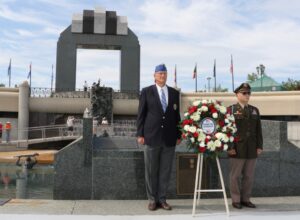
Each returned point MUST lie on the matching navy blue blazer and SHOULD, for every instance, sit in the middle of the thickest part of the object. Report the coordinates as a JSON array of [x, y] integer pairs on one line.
[[157, 127]]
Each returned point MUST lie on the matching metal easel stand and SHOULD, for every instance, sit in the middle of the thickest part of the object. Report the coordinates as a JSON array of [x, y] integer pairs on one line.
[[198, 181]]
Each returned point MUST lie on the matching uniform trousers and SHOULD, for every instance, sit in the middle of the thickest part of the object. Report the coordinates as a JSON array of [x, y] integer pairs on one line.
[[241, 179]]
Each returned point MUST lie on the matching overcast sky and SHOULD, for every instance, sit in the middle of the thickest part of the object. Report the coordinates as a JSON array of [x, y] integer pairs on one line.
[[169, 31]]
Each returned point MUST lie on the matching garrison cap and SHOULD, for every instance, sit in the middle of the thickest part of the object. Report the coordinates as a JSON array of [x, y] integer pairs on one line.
[[161, 68]]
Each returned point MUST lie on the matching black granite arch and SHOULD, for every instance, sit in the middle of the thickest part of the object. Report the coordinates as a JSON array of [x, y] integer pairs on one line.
[[113, 38]]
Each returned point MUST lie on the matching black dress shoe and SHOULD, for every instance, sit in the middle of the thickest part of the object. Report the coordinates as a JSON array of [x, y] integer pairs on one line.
[[152, 206], [237, 205], [248, 204], [165, 206]]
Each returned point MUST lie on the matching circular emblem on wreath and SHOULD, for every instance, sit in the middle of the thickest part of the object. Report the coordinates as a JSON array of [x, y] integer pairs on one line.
[[208, 126]]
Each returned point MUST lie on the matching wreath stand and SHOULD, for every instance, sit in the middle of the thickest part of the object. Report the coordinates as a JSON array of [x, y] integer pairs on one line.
[[198, 181]]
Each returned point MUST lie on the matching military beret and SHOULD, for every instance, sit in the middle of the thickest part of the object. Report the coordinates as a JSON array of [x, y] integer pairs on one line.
[[244, 87], [161, 68]]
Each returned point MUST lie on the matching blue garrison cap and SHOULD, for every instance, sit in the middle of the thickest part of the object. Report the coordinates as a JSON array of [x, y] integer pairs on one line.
[[161, 67]]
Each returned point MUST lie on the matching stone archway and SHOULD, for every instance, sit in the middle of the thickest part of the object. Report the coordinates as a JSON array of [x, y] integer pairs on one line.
[[98, 29]]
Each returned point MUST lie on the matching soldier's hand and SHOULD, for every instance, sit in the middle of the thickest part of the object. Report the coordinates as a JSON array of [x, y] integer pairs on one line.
[[259, 151], [231, 152], [141, 140], [178, 141]]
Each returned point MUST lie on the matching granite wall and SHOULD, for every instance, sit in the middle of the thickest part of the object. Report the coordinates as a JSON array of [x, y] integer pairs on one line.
[[73, 167], [117, 169]]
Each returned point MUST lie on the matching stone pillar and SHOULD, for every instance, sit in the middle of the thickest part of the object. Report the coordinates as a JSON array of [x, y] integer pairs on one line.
[[23, 116], [87, 138]]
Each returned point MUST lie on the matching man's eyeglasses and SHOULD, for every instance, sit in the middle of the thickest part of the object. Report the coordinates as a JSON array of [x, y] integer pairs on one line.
[[246, 93]]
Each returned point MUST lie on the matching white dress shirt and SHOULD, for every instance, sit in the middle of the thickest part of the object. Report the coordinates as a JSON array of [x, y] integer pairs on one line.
[[165, 88]]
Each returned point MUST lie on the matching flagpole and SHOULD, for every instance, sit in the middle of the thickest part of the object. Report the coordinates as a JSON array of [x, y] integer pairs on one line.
[[196, 78], [9, 73], [52, 79], [232, 74], [175, 77], [215, 76], [30, 74]]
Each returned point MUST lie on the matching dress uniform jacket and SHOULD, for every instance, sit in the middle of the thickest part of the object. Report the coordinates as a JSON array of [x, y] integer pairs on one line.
[[249, 132], [159, 128]]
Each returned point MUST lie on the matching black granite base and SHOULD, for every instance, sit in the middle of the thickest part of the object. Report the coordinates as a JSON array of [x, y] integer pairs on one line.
[[116, 171]]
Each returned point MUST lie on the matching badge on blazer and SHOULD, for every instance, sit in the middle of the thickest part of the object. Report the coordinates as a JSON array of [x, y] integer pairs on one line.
[[254, 112], [175, 107]]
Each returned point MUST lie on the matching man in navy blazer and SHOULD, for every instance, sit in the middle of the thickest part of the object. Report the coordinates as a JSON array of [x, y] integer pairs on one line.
[[157, 129]]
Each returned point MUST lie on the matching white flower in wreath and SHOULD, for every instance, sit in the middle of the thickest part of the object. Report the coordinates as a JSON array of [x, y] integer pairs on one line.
[[208, 137], [231, 139], [230, 117], [217, 143], [192, 139], [223, 109], [201, 137], [215, 115], [225, 147], [224, 129], [219, 135], [195, 116], [226, 121], [204, 101], [211, 146], [225, 138], [196, 103], [186, 128], [186, 114], [202, 144], [204, 108], [192, 129]]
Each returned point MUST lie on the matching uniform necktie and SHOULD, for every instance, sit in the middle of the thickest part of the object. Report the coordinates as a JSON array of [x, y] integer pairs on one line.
[[163, 100], [246, 110]]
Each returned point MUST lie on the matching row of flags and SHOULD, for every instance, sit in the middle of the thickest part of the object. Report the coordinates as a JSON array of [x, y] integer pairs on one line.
[[9, 72], [28, 76], [175, 74], [214, 74]]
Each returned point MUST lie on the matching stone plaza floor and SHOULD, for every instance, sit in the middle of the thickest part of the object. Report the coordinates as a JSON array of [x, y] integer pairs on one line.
[[267, 208]]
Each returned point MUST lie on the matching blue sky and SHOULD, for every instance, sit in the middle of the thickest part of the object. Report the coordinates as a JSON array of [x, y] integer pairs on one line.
[[170, 32]]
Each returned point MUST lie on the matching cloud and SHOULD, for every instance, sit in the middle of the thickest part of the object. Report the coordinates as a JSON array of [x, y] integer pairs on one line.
[[173, 32]]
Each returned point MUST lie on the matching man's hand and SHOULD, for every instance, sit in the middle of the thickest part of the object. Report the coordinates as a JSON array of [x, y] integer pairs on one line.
[[259, 151], [178, 141], [141, 140], [231, 152]]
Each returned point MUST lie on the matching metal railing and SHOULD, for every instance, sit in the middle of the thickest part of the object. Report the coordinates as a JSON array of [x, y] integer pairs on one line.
[[67, 93], [39, 92], [42, 134]]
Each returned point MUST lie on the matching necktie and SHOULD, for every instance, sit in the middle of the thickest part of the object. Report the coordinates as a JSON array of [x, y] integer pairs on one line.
[[163, 100], [246, 110]]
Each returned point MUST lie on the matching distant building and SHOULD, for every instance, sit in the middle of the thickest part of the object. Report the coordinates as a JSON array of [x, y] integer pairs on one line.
[[265, 83]]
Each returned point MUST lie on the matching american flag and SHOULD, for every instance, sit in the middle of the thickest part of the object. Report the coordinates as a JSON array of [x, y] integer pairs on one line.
[[231, 66], [29, 74], [195, 72], [175, 77], [9, 68]]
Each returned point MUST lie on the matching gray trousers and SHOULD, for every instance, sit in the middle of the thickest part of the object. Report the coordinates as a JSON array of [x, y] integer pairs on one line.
[[158, 166], [241, 169]]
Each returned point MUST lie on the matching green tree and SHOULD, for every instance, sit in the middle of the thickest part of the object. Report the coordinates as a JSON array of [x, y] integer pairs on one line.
[[252, 77], [220, 89], [291, 85], [2, 85]]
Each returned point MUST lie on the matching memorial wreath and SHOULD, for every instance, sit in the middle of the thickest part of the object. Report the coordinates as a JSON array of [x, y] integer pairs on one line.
[[208, 127]]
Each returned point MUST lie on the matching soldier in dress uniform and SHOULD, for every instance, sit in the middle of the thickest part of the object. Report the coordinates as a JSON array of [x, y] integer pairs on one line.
[[245, 150]]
